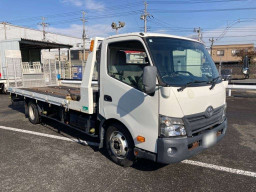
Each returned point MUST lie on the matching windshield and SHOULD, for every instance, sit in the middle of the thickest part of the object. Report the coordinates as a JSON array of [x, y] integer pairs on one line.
[[181, 61]]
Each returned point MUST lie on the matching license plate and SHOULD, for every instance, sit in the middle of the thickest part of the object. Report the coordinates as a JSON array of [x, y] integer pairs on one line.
[[209, 139]]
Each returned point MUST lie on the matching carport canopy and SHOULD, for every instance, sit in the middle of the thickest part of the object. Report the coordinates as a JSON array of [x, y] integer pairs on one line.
[[31, 49], [34, 44]]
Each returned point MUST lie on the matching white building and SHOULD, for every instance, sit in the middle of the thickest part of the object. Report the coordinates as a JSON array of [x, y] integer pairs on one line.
[[9, 31], [24, 56]]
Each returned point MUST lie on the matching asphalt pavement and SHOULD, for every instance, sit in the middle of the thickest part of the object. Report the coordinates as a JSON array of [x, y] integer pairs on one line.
[[36, 158]]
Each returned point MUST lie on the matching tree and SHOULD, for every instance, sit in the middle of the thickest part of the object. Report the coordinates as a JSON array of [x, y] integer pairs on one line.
[[251, 54]]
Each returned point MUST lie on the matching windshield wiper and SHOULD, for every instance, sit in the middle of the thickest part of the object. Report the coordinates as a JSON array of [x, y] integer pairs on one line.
[[213, 82], [190, 83]]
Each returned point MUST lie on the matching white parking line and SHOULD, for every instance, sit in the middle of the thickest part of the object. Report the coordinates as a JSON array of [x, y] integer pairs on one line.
[[190, 162], [220, 168], [50, 136]]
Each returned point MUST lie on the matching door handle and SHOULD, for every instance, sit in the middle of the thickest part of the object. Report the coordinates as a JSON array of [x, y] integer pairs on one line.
[[107, 98]]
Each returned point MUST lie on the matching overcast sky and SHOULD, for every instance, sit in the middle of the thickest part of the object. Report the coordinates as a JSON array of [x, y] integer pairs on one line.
[[178, 17]]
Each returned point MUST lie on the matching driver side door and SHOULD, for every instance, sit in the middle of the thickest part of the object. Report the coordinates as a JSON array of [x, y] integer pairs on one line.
[[122, 95]]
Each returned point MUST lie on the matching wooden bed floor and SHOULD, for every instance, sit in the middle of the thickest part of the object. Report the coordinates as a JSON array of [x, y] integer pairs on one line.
[[57, 91]]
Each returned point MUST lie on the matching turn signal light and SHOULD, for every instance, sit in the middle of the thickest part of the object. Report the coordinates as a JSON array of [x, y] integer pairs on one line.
[[92, 45], [141, 139]]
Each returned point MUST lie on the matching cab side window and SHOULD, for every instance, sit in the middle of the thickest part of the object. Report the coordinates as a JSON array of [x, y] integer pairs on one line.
[[127, 60]]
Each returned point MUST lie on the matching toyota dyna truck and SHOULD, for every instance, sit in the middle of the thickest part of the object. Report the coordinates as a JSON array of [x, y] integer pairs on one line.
[[157, 97]]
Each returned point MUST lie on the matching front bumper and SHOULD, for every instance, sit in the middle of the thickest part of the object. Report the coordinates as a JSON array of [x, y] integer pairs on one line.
[[181, 147]]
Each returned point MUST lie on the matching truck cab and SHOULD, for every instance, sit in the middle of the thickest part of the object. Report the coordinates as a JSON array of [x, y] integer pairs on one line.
[[183, 114]]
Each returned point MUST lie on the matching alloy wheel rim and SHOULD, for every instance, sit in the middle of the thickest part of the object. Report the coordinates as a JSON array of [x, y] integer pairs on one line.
[[31, 112], [118, 144]]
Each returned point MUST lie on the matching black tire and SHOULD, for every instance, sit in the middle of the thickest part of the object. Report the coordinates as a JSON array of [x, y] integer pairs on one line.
[[2, 89], [33, 113], [128, 159], [26, 109]]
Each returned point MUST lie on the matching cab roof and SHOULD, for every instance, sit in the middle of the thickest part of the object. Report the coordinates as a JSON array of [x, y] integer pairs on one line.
[[141, 34]]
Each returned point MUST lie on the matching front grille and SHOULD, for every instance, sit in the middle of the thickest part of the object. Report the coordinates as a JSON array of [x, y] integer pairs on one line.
[[198, 122]]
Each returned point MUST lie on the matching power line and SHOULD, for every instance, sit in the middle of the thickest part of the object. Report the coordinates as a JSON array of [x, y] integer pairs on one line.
[[116, 14], [180, 29], [231, 31], [189, 28], [195, 2], [66, 14], [76, 19], [104, 16], [247, 40], [201, 10], [127, 13], [209, 30], [109, 14], [122, 6], [227, 28], [236, 36], [164, 24]]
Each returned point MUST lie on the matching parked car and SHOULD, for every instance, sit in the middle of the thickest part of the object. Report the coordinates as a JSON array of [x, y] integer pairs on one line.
[[226, 74]]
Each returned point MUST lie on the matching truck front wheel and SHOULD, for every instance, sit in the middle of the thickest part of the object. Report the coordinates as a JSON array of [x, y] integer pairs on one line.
[[120, 145], [33, 113]]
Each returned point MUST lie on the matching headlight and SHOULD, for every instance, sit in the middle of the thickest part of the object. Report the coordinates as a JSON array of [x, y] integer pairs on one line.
[[245, 71], [170, 127], [224, 113]]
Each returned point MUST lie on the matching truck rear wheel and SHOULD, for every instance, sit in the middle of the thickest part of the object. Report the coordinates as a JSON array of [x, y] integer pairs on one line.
[[33, 113], [2, 88], [120, 145], [26, 109]]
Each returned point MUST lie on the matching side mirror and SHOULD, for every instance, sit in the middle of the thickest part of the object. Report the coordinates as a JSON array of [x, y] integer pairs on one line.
[[149, 79]]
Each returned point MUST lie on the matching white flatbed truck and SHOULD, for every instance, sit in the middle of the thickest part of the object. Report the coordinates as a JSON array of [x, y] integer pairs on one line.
[[157, 97]]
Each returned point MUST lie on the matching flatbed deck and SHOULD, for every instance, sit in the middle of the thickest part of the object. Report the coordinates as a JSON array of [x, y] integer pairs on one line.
[[63, 92], [57, 91], [66, 96]]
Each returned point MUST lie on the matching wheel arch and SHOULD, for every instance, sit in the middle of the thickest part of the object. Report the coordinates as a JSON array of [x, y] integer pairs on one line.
[[104, 126]]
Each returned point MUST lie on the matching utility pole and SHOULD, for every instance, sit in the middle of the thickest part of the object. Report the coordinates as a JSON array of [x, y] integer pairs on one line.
[[212, 41], [220, 65], [199, 33], [44, 25], [83, 36], [145, 16], [4, 24]]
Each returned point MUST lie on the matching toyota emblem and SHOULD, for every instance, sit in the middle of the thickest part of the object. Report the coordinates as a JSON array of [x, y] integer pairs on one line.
[[209, 111]]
